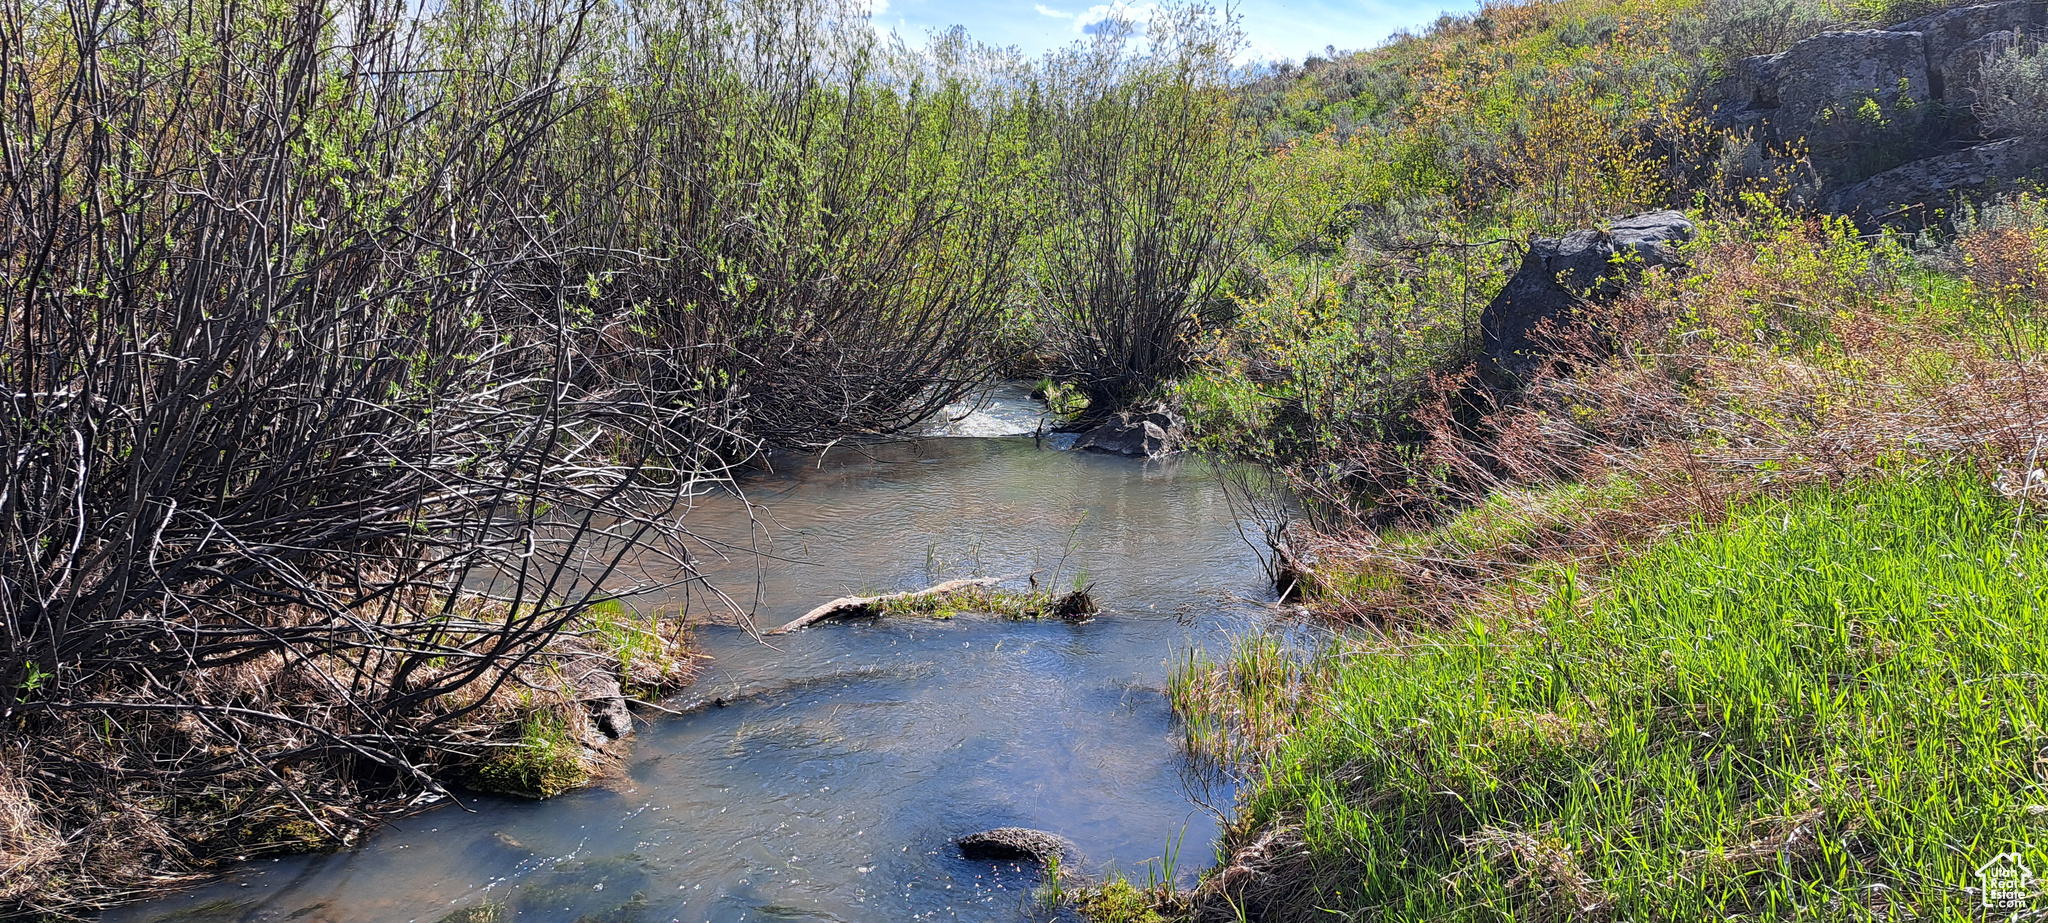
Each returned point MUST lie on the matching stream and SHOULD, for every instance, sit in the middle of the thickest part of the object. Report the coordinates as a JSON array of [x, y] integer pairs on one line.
[[845, 759]]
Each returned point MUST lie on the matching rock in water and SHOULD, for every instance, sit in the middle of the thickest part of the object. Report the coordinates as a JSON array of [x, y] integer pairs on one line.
[[1010, 844], [1560, 272], [1141, 433]]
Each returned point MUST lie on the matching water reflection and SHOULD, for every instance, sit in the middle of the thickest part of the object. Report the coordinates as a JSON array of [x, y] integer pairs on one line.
[[845, 759]]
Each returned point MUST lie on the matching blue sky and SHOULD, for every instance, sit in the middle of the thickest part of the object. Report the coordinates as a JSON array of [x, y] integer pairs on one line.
[[1292, 30]]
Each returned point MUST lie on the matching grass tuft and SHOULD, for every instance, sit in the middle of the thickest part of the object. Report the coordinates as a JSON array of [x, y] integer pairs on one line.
[[546, 761], [1120, 901], [1016, 605], [653, 653]]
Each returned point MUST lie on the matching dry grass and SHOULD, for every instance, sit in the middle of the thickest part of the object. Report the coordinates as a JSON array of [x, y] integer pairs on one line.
[[86, 821], [1588, 677], [1546, 875], [1794, 354]]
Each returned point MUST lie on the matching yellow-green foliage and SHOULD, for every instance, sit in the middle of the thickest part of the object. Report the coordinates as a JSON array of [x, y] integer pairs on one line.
[[1062, 398], [486, 912], [1119, 901], [1018, 605], [1401, 182], [1533, 104], [546, 761], [1515, 515], [653, 653]]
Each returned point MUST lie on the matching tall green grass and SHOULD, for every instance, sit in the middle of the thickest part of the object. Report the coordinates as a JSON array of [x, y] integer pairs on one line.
[[1829, 707]]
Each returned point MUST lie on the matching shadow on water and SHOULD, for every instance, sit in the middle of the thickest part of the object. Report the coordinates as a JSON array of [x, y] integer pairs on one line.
[[846, 758]]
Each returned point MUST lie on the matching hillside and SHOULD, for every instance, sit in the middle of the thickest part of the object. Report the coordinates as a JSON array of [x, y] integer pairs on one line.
[[1642, 541]]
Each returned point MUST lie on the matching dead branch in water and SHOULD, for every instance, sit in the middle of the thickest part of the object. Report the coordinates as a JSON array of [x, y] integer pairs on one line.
[[848, 606]]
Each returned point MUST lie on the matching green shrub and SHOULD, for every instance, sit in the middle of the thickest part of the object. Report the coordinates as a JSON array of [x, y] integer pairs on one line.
[[2012, 98], [1737, 29], [1119, 901], [1146, 180]]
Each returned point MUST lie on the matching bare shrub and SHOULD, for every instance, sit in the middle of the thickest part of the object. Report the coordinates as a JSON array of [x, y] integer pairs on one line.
[[791, 220], [298, 471], [1149, 198]]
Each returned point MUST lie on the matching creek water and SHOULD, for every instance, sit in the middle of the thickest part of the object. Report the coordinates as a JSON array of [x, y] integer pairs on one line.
[[822, 776]]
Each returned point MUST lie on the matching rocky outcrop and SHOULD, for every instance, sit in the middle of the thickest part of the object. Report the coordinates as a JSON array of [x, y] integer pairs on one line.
[[1859, 105], [1953, 41], [1839, 92], [1017, 844], [1559, 273], [1140, 433], [1849, 91], [1913, 193]]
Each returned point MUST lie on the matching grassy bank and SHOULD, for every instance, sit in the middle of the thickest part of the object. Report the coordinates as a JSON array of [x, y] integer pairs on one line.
[[546, 731], [1735, 611], [1828, 706]]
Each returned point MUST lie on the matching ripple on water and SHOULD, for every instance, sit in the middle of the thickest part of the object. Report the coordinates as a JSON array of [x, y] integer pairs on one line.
[[848, 757]]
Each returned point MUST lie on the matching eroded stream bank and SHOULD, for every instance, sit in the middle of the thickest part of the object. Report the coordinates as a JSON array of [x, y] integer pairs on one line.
[[847, 757]]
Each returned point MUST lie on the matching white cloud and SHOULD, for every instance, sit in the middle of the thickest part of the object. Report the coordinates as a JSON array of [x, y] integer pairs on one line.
[[1091, 20], [878, 7], [1255, 52], [1044, 10]]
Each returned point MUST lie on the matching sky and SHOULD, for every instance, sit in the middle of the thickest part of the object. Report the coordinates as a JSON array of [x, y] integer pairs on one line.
[[1276, 29]]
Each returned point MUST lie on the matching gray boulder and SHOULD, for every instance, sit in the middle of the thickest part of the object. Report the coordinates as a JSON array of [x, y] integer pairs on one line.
[[1963, 70], [1140, 433], [593, 676], [1017, 844], [1846, 92], [1871, 101], [1862, 103], [1948, 32], [1913, 194], [1559, 273], [1752, 85]]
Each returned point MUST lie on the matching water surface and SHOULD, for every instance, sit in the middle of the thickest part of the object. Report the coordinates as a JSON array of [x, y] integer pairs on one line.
[[846, 758]]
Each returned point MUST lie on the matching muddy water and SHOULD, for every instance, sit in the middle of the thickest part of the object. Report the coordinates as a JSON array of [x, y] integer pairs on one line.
[[843, 760]]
